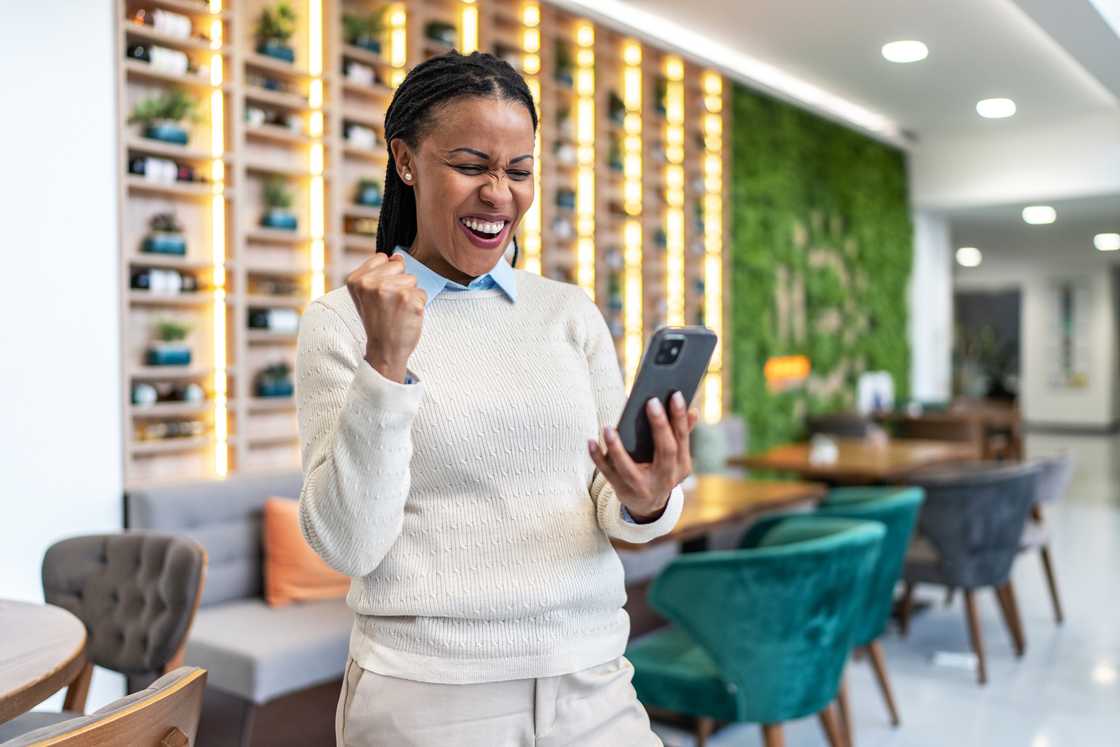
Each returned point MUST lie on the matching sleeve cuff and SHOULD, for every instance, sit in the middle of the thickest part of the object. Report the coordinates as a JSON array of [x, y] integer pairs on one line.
[[379, 393], [623, 526]]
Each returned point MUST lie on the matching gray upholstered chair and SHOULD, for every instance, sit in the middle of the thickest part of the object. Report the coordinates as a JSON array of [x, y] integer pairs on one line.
[[136, 593], [165, 714], [968, 535], [1053, 482]]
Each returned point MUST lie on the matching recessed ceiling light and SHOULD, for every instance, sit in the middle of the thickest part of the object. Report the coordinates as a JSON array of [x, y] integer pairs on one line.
[[905, 51], [1107, 242], [969, 256], [1039, 215], [995, 108]]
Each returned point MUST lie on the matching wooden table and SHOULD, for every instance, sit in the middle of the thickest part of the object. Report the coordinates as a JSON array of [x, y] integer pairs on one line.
[[42, 650], [861, 461]]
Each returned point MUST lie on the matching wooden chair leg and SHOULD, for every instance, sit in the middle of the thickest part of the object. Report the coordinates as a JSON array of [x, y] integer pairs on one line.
[[1052, 582], [831, 726], [78, 690], [973, 620], [773, 736], [905, 607], [845, 711], [879, 665], [1010, 610], [704, 728]]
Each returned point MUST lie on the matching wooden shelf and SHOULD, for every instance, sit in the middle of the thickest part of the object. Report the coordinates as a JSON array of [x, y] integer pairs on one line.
[[278, 134], [376, 91], [264, 337], [141, 69], [170, 261], [150, 373], [280, 301], [292, 101], [365, 153], [271, 404], [169, 150], [170, 445], [196, 9], [193, 43], [364, 55], [178, 189], [273, 65], [170, 409], [276, 236], [200, 298], [283, 169], [361, 211]]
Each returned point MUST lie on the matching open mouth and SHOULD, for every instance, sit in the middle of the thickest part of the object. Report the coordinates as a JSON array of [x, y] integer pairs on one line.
[[486, 233]]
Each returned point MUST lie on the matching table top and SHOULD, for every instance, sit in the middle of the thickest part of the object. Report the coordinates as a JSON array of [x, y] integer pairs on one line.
[[718, 500], [42, 650], [861, 460]]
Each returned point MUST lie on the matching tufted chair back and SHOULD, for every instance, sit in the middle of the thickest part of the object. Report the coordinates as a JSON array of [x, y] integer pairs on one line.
[[136, 592]]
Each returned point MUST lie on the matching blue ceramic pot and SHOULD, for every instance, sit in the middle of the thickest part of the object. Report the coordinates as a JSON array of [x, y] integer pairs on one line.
[[163, 354], [280, 219], [167, 132], [267, 388], [370, 196], [277, 49], [164, 243], [368, 42]]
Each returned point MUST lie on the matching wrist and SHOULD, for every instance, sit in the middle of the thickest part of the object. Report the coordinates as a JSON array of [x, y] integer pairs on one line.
[[389, 369], [651, 516]]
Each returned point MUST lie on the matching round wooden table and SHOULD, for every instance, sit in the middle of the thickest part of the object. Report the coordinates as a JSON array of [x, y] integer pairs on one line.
[[42, 650]]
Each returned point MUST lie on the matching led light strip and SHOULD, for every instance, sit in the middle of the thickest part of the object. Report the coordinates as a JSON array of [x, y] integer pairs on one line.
[[633, 305], [315, 130], [468, 27], [713, 240], [531, 67], [585, 157], [218, 243], [674, 190], [397, 45]]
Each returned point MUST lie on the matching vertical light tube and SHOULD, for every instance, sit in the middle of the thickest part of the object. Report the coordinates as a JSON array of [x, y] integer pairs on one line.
[[531, 67], [317, 207], [585, 157], [218, 243], [713, 240], [398, 51], [468, 27], [632, 300], [674, 191]]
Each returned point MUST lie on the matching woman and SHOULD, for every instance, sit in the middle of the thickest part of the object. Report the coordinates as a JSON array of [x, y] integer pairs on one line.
[[442, 399]]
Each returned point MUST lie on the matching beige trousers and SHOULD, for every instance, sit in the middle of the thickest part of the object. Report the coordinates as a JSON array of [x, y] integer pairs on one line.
[[590, 708]]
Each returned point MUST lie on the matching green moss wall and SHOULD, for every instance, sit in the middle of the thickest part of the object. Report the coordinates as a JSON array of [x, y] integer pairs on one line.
[[821, 247]]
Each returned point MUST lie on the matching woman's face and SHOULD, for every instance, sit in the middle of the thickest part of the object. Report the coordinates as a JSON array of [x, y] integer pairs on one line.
[[472, 172]]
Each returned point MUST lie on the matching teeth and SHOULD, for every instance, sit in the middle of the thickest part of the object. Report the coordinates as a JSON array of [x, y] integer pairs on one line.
[[491, 227]]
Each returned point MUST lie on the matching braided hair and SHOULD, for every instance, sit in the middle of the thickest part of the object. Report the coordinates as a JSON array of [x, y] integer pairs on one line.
[[428, 86]]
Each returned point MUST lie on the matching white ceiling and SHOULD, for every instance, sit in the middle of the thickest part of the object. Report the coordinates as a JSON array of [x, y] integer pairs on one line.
[[978, 49], [1000, 229]]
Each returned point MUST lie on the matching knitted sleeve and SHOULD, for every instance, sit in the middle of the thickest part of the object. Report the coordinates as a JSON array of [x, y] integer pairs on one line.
[[610, 398], [355, 429]]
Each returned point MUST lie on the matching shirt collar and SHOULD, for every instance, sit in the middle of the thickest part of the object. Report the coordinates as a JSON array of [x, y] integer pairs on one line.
[[433, 283]]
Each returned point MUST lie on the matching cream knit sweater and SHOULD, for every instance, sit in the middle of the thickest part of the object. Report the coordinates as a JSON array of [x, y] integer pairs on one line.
[[464, 506]]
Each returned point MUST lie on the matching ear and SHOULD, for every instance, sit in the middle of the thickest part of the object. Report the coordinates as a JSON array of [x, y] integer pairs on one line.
[[403, 158]]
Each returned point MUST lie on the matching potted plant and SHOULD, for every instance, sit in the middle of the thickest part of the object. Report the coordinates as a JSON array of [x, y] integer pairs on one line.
[[616, 108], [275, 27], [365, 30], [369, 193], [442, 32], [565, 66], [660, 95], [275, 381], [169, 348], [278, 201], [165, 237], [162, 116]]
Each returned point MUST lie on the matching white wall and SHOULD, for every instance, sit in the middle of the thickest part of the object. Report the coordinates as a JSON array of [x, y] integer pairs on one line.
[[1010, 164], [1098, 405], [931, 309], [60, 444]]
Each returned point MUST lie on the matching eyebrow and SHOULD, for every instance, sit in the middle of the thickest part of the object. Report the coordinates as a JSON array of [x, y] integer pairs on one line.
[[486, 156]]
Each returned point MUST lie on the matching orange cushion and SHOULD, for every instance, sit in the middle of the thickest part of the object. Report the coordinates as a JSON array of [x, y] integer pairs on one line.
[[292, 570]]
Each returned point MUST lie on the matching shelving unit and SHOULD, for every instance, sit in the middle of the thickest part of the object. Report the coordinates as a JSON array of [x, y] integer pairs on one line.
[[262, 118]]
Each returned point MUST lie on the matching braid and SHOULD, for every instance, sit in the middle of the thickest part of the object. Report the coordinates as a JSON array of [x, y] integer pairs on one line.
[[428, 86]]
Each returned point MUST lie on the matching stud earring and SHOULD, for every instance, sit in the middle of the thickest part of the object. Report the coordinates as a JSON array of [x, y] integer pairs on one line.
[[408, 176]]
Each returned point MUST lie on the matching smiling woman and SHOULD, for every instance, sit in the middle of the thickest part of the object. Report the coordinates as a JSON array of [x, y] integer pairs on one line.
[[447, 403]]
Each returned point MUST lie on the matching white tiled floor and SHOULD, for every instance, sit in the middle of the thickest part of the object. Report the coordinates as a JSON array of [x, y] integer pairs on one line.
[[1064, 692]]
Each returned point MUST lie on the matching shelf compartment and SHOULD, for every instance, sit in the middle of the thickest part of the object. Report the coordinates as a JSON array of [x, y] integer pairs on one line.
[[170, 445], [359, 54], [374, 91], [276, 236], [292, 101], [170, 409], [178, 189], [201, 298], [195, 9], [278, 134], [264, 337], [170, 150], [272, 65], [150, 373], [271, 404], [192, 43], [361, 211], [283, 301], [140, 69], [170, 261], [262, 167], [378, 156]]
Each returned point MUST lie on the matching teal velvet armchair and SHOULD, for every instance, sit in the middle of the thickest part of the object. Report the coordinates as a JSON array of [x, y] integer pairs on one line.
[[760, 635]]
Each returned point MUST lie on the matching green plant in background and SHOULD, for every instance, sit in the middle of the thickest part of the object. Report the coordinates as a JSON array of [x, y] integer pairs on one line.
[[277, 194], [172, 330], [982, 363], [821, 255], [360, 29], [276, 24], [172, 105]]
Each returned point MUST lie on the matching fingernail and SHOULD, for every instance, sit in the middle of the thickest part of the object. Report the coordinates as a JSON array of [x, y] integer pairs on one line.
[[608, 433], [592, 446], [678, 400], [655, 406]]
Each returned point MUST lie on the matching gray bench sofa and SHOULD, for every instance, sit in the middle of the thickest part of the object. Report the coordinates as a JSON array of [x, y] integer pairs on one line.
[[253, 653]]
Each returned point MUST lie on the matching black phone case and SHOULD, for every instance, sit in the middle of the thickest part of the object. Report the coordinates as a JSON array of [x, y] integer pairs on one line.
[[661, 380]]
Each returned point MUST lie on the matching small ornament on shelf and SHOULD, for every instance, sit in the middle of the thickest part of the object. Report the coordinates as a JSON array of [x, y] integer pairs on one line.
[[146, 394], [565, 153], [281, 321], [365, 31], [163, 282], [564, 65], [660, 94], [162, 116], [275, 380], [165, 237], [275, 27], [169, 349], [359, 73], [164, 60], [442, 32], [165, 22], [562, 229], [278, 203], [163, 430], [368, 193], [509, 53], [566, 198], [162, 170], [359, 136], [361, 226], [565, 129], [616, 108]]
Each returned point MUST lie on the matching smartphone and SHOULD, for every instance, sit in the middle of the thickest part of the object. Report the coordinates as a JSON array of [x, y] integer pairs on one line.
[[674, 360]]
